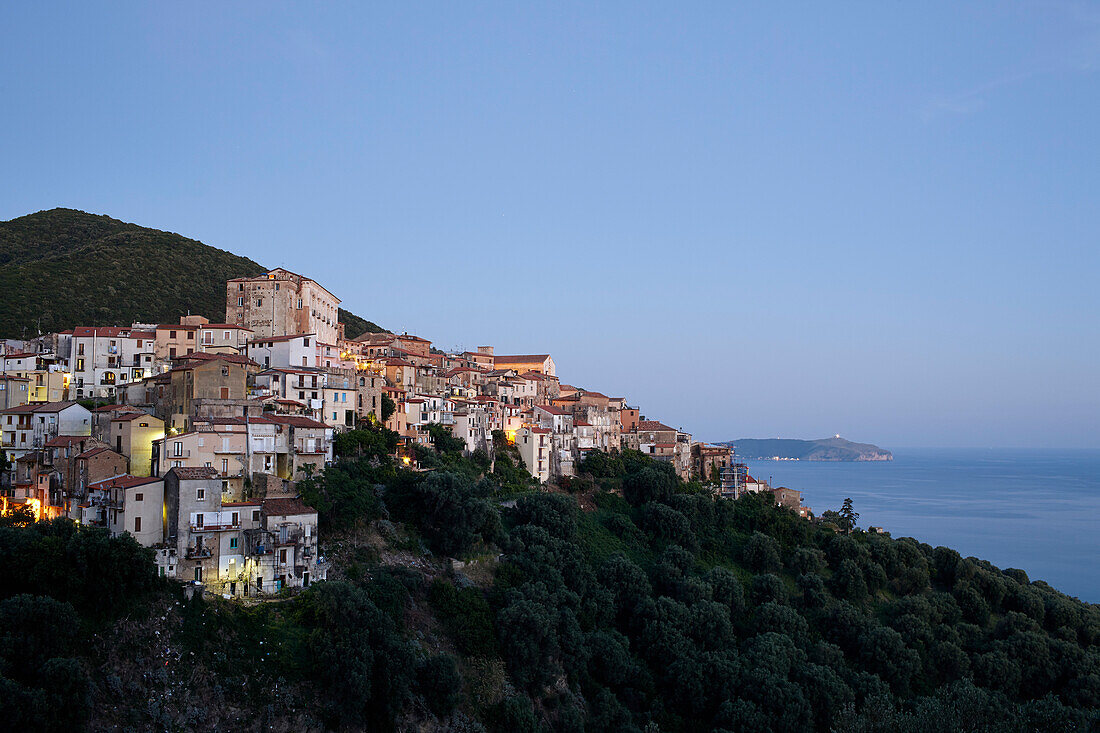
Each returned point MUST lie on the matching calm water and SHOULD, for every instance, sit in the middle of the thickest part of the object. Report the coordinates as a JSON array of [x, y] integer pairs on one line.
[[1036, 510]]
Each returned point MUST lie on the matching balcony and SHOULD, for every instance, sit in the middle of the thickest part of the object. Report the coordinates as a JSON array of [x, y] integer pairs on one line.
[[213, 526], [197, 552]]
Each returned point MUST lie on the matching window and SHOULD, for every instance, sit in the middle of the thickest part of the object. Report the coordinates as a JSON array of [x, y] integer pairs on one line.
[[177, 448], [137, 524], [198, 523], [200, 494], [225, 465], [139, 497], [240, 302], [255, 515], [198, 574], [232, 543], [171, 334], [259, 302], [299, 304], [225, 334], [282, 557], [236, 519], [80, 365], [80, 349], [225, 371]]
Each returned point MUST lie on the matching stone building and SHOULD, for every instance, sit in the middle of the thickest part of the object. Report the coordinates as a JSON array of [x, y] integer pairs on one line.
[[282, 303]]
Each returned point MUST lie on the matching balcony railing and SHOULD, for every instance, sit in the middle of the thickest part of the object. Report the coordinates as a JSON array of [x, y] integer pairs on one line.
[[196, 552], [213, 526]]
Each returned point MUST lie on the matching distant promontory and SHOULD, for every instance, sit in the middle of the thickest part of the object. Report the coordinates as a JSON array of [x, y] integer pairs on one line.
[[826, 449]]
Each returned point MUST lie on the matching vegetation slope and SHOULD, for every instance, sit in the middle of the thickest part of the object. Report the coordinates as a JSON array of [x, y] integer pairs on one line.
[[626, 601], [63, 268]]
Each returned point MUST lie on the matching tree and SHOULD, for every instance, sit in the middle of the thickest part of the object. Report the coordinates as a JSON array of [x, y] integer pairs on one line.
[[761, 554], [849, 515], [388, 407], [652, 483]]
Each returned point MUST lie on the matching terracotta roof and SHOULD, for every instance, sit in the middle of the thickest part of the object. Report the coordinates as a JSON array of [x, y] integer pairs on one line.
[[278, 339], [241, 503], [20, 355], [581, 424], [100, 331], [175, 327], [207, 356], [553, 410], [63, 441], [124, 482], [128, 416], [42, 407], [94, 452], [143, 334], [284, 507], [539, 430], [113, 408], [296, 421], [654, 425], [196, 473], [225, 325], [519, 358]]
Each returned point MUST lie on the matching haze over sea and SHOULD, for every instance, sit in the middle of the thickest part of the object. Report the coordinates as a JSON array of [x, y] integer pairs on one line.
[[1032, 509]]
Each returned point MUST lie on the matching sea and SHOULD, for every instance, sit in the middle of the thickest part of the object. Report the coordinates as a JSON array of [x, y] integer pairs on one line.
[[1029, 509]]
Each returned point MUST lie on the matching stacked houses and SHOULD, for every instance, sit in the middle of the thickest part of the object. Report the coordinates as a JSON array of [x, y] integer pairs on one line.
[[191, 436]]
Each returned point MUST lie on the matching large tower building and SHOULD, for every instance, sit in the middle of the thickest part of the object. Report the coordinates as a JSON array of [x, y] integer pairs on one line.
[[281, 303]]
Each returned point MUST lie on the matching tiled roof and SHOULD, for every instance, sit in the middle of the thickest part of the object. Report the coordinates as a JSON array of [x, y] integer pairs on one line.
[[199, 356], [520, 358], [64, 441], [195, 473], [128, 416], [99, 331], [113, 408], [124, 482], [278, 339], [553, 410], [654, 425], [296, 421], [94, 452], [284, 507], [41, 407]]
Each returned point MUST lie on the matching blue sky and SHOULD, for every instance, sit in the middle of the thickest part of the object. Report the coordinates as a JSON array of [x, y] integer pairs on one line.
[[878, 219]]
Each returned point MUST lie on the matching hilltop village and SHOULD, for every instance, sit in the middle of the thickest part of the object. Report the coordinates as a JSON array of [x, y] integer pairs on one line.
[[192, 436]]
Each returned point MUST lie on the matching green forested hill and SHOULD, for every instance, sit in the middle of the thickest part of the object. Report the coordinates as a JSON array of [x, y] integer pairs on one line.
[[625, 600], [63, 268]]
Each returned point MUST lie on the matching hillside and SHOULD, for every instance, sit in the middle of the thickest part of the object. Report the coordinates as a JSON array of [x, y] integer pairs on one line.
[[657, 608], [63, 268], [826, 449]]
